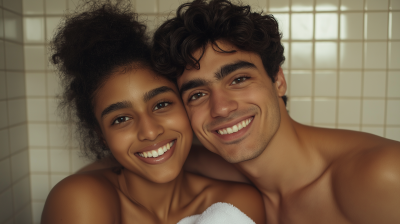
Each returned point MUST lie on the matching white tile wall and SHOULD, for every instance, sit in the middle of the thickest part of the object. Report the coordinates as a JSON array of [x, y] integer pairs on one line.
[[342, 68]]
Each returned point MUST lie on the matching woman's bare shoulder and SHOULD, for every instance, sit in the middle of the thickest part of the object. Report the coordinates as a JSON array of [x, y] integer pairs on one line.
[[82, 198], [243, 196]]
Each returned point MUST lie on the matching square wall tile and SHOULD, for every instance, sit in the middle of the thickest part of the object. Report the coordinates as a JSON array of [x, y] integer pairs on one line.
[[394, 25], [374, 84], [279, 5], [349, 127], [349, 111], [302, 26], [4, 145], [13, 5], [394, 55], [19, 165], [301, 55], [166, 6], [5, 174], [375, 55], [325, 55], [40, 186], [12, 26], [37, 109], [373, 112], [53, 85], [302, 5], [324, 111], [55, 6], [6, 210], [3, 114], [51, 26], [394, 4], [78, 160], [39, 160], [37, 209], [326, 26], [3, 86], [24, 216], [32, 7], [34, 30], [21, 193], [373, 130], [38, 135], [14, 56], [60, 160], [16, 111], [18, 138], [351, 25], [15, 84], [351, 55], [393, 84], [35, 84], [150, 6], [376, 4], [257, 5], [301, 83], [325, 83], [283, 21], [35, 57], [326, 5], [393, 112], [352, 5], [393, 133], [58, 135], [350, 83], [2, 55], [376, 25], [1, 24], [300, 110]]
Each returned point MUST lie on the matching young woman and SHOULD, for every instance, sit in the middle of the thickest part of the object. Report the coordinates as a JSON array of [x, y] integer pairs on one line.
[[125, 110]]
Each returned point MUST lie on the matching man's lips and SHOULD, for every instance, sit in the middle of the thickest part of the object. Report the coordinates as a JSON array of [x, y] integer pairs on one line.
[[235, 130]]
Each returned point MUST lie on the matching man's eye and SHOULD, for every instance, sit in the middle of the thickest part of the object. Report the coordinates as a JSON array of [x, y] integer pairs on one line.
[[239, 80], [196, 96], [161, 105], [121, 120]]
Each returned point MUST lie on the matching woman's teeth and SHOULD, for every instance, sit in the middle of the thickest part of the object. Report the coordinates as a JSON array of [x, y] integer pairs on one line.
[[235, 128], [158, 152]]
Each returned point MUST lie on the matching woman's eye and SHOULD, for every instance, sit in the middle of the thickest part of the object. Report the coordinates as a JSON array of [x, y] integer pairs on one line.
[[121, 120], [196, 96], [161, 105], [239, 80]]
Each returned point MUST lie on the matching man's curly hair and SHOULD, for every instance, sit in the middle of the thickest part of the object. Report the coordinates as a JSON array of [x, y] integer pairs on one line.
[[88, 47], [199, 23]]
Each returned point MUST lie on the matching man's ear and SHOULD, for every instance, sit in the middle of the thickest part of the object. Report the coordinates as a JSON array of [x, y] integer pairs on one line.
[[280, 83]]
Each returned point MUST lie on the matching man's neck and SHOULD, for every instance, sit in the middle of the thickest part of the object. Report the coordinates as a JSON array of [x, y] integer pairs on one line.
[[289, 163]]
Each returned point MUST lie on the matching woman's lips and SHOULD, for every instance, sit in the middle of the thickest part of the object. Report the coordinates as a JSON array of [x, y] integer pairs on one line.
[[157, 156]]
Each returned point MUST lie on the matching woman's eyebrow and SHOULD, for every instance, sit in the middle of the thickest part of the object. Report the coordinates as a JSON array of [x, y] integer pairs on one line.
[[116, 106], [154, 92]]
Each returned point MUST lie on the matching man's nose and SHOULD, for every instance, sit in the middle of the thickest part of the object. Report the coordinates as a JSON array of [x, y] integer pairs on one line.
[[222, 104], [149, 128]]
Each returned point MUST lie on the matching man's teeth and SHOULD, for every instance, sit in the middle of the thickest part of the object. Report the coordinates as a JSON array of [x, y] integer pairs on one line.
[[158, 152], [235, 128]]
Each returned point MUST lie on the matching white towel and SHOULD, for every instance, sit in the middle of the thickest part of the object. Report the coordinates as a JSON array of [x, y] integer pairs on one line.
[[219, 213]]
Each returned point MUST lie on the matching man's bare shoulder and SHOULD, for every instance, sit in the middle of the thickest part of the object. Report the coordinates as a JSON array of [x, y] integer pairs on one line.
[[244, 196], [82, 198], [366, 182]]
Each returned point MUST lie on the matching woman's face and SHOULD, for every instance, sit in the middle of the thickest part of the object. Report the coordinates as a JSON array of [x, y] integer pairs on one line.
[[144, 123]]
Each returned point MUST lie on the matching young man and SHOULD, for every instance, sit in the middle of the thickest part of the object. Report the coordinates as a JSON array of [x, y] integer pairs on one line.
[[226, 62]]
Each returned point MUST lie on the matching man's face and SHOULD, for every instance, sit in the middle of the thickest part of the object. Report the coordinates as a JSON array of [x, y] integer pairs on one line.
[[231, 102]]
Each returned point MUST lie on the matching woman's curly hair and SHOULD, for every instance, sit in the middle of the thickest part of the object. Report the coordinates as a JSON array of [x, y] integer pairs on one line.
[[88, 47], [198, 23]]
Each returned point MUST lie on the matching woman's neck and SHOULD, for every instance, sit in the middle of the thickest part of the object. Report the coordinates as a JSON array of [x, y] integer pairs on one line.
[[158, 199]]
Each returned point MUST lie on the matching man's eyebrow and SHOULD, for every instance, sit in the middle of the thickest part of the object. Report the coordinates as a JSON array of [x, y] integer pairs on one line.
[[116, 106], [154, 92], [229, 68], [192, 84]]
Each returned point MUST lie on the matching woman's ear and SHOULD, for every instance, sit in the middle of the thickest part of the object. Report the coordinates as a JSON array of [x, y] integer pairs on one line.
[[280, 83]]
